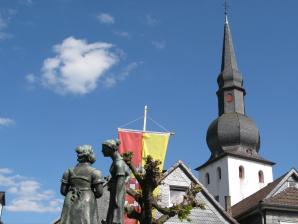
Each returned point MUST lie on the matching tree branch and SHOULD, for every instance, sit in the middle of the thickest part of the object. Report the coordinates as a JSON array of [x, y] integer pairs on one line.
[[136, 195], [132, 213], [163, 210], [127, 156]]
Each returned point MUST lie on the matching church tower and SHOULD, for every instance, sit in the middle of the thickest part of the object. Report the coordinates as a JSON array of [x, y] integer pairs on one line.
[[235, 169]]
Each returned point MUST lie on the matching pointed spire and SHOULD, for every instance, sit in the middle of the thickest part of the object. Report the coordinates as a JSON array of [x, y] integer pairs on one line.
[[228, 54], [230, 82], [229, 75]]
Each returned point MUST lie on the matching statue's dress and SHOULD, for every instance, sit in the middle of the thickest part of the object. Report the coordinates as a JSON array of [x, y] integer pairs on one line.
[[80, 205], [118, 170]]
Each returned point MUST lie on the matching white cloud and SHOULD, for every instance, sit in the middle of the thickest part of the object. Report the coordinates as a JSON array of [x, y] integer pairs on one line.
[[159, 44], [5, 16], [124, 73], [26, 2], [5, 171], [150, 20], [3, 23], [31, 78], [123, 34], [6, 121], [27, 194], [105, 18], [77, 66]]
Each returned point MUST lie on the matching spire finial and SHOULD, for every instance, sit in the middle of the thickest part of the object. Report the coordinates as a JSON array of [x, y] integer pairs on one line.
[[226, 7]]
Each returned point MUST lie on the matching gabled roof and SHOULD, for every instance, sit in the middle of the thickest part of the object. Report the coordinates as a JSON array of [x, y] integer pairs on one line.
[[269, 195], [288, 197], [204, 191]]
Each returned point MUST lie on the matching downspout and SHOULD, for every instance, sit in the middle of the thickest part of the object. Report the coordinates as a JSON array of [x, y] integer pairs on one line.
[[263, 217]]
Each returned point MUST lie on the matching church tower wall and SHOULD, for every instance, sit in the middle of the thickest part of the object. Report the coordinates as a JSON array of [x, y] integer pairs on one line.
[[250, 182]]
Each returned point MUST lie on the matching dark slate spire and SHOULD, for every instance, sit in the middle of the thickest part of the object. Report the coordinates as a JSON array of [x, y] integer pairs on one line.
[[229, 69], [229, 77], [232, 131]]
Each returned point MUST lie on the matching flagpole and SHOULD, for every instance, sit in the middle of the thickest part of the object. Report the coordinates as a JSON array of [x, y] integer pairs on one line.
[[1, 212], [145, 118]]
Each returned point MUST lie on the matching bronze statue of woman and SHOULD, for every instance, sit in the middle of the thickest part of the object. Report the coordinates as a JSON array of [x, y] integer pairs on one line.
[[81, 186], [116, 185]]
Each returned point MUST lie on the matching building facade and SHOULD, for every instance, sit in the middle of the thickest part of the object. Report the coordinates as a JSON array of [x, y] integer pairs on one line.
[[277, 203]]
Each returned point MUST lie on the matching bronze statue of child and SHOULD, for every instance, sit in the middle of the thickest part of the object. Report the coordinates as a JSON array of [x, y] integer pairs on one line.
[[81, 186], [119, 172]]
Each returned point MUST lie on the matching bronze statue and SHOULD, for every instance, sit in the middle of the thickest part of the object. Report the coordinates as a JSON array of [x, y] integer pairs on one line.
[[119, 172], [81, 186]]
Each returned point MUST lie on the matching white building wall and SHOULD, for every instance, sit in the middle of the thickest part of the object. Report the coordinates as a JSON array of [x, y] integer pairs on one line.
[[217, 187], [242, 188], [230, 184]]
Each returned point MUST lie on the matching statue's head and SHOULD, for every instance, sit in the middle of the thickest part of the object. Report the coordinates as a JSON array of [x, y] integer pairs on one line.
[[85, 154], [110, 146]]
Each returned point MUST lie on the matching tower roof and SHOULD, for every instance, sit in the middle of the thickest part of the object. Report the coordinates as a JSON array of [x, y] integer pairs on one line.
[[233, 131], [229, 75]]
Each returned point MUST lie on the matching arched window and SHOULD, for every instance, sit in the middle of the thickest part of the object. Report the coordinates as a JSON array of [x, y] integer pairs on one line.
[[261, 176], [219, 173], [241, 172], [207, 176]]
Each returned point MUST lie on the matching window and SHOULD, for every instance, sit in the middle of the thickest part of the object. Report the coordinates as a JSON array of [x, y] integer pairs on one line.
[[241, 172], [207, 177], [176, 194], [261, 176], [219, 173]]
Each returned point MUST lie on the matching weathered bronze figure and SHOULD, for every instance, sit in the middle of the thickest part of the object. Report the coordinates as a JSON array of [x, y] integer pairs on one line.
[[116, 185], [81, 186]]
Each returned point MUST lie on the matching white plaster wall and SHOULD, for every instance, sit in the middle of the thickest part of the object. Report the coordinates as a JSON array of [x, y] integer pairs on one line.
[[242, 188], [230, 183], [217, 186]]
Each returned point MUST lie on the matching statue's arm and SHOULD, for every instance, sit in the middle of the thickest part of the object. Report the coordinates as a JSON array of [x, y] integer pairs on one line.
[[64, 189], [65, 183], [97, 183], [98, 190], [119, 190]]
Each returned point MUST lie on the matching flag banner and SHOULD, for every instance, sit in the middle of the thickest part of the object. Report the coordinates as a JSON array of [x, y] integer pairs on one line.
[[131, 142], [155, 145], [141, 144]]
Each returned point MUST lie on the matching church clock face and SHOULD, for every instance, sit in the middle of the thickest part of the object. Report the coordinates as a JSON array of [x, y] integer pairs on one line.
[[229, 98]]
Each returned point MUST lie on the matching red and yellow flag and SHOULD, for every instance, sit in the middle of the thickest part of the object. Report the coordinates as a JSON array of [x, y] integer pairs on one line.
[[142, 144]]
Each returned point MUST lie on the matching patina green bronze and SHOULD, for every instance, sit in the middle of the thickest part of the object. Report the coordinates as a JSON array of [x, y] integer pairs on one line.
[[119, 172], [81, 186]]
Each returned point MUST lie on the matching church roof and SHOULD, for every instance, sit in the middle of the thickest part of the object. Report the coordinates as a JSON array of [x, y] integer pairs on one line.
[[281, 192]]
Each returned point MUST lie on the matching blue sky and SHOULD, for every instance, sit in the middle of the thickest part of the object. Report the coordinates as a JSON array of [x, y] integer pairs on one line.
[[119, 56]]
